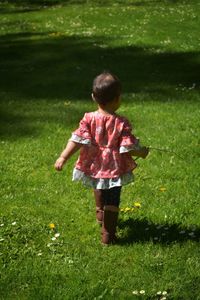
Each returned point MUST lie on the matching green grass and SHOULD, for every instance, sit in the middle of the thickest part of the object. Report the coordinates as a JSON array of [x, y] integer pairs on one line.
[[50, 51]]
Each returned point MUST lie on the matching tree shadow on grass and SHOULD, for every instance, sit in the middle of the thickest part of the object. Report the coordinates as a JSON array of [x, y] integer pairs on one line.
[[27, 123], [50, 3], [14, 125], [9, 10], [33, 3], [57, 67], [25, 6], [53, 65], [134, 231]]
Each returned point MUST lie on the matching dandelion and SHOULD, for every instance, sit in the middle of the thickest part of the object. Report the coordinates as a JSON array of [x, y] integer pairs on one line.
[[127, 209], [131, 209], [52, 226], [163, 189], [137, 204], [54, 33]]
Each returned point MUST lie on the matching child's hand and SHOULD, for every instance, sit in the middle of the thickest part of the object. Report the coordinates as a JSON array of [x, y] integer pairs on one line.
[[59, 163], [144, 152]]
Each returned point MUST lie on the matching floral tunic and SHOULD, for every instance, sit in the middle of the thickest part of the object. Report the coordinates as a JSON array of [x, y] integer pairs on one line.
[[104, 160]]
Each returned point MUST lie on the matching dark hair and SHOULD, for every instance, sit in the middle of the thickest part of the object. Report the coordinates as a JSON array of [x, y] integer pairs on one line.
[[106, 87]]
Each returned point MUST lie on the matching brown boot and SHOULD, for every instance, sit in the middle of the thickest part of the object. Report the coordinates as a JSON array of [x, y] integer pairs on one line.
[[99, 206], [109, 224]]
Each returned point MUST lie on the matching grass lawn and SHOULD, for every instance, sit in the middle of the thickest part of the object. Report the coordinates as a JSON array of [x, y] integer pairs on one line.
[[50, 52]]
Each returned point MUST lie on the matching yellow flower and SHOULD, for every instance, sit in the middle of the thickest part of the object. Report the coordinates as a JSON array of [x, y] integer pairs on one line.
[[137, 204], [163, 189], [127, 209], [52, 225]]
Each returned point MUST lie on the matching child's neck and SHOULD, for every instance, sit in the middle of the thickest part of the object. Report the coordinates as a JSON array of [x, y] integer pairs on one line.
[[106, 111]]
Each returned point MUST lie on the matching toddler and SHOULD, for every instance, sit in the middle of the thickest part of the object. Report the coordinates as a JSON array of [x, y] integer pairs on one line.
[[106, 146]]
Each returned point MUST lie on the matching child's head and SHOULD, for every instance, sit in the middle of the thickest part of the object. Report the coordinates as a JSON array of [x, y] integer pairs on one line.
[[106, 88]]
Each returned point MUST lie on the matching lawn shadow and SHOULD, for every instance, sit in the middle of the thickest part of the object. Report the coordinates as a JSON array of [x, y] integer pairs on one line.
[[49, 3], [25, 6], [57, 67], [21, 3], [14, 125], [133, 231], [27, 122]]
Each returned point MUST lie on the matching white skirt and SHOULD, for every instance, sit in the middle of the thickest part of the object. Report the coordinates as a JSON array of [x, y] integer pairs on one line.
[[102, 183]]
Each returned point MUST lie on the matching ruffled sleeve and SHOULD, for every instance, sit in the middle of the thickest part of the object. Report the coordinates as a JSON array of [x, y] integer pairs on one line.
[[82, 134], [128, 141]]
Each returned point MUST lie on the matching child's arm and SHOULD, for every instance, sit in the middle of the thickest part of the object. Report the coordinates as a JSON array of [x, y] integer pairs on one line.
[[141, 152], [70, 149]]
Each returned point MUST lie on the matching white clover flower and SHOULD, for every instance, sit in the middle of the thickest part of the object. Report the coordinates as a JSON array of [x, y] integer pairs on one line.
[[1, 225], [1, 240], [53, 238], [182, 232], [159, 293], [142, 292], [164, 293], [14, 223], [191, 233], [135, 292], [57, 235], [159, 226], [39, 254], [70, 261]]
